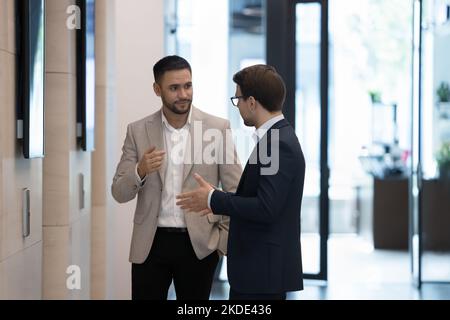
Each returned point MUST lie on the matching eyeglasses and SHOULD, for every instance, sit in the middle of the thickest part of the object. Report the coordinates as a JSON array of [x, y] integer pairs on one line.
[[235, 100]]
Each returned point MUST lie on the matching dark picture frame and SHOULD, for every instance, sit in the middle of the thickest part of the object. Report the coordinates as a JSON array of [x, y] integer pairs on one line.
[[86, 76], [30, 42]]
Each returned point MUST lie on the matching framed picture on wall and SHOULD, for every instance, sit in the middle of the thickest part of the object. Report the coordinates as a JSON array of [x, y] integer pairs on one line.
[[30, 37], [86, 76]]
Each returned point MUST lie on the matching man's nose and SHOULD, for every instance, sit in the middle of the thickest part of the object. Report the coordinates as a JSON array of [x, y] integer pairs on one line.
[[183, 93]]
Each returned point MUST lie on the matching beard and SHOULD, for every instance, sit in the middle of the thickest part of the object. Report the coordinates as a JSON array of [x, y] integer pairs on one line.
[[179, 107], [248, 123]]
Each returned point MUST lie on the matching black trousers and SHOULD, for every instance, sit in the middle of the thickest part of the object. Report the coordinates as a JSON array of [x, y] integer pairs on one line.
[[249, 296], [173, 258]]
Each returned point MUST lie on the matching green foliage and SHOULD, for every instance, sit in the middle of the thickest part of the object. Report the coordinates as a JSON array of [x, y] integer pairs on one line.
[[443, 92], [443, 155], [375, 96]]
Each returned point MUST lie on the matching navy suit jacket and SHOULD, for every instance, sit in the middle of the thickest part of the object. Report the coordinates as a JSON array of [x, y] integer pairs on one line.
[[264, 252]]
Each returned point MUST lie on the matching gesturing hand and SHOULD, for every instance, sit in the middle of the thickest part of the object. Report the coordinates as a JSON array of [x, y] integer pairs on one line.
[[151, 161], [197, 200]]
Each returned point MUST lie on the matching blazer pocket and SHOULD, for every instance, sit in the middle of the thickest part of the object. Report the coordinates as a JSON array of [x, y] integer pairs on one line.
[[140, 214]]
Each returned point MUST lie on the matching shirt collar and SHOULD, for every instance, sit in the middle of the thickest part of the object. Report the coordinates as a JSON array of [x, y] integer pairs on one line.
[[166, 123], [261, 131]]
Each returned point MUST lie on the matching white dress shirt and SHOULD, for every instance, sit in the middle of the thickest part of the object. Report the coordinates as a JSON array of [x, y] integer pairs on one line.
[[261, 131], [257, 135], [172, 215]]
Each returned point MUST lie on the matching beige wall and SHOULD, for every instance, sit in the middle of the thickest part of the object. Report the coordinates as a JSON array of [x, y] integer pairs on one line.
[[97, 239], [101, 164], [66, 227], [20, 259]]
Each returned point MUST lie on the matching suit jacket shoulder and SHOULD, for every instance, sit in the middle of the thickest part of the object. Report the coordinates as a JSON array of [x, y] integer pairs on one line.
[[197, 115], [287, 137], [141, 122], [209, 119]]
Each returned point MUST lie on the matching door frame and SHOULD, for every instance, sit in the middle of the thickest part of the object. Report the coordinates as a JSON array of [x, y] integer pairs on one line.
[[281, 53], [415, 183]]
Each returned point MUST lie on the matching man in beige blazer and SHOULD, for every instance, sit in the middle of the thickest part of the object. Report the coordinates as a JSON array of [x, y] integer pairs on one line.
[[161, 154]]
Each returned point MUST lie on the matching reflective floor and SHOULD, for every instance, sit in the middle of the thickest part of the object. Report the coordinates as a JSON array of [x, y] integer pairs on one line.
[[356, 271]]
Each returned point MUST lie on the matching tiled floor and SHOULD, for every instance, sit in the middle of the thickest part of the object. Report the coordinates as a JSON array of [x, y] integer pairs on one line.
[[356, 271]]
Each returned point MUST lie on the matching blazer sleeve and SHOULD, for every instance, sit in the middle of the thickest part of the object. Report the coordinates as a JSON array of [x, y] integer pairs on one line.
[[272, 192], [125, 184]]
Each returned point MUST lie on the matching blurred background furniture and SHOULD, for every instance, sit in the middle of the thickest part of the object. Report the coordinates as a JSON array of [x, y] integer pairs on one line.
[[390, 213], [436, 215]]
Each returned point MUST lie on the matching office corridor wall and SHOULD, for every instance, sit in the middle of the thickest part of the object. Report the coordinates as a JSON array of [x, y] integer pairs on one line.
[[20, 258], [102, 166], [66, 223], [129, 40], [138, 44], [95, 239]]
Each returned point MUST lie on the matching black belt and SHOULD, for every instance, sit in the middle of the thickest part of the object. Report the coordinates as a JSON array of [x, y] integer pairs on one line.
[[172, 229]]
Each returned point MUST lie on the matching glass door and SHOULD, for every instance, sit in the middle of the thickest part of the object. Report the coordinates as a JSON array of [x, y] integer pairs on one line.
[[416, 168], [430, 177], [297, 46], [311, 126]]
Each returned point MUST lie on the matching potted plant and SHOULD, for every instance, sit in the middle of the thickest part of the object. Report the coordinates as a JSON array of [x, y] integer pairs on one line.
[[443, 160], [443, 94], [375, 96]]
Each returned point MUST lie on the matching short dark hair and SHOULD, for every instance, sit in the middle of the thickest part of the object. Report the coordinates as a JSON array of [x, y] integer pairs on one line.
[[263, 83], [169, 63]]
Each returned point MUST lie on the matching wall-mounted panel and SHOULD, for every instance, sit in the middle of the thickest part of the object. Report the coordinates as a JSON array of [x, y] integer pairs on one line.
[[31, 76], [86, 76]]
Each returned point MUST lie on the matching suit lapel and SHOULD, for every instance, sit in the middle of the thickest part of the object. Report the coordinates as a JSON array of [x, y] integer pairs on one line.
[[194, 151], [251, 161], [254, 157], [156, 138], [242, 180]]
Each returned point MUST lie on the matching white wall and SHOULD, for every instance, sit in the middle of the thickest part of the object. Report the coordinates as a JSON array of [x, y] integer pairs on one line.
[[209, 44], [139, 43]]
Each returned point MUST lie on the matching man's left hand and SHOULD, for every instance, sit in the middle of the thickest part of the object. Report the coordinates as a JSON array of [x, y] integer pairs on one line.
[[197, 200]]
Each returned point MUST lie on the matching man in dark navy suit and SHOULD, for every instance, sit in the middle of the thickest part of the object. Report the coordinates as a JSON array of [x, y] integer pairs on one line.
[[264, 252]]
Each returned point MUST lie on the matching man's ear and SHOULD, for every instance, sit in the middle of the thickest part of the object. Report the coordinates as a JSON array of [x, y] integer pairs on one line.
[[253, 103], [157, 89]]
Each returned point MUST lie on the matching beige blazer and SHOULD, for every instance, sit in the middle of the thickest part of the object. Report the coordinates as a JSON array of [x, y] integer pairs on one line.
[[207, 233]]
